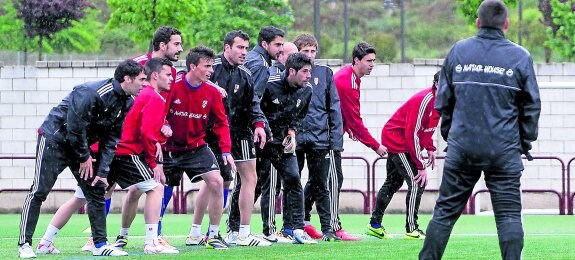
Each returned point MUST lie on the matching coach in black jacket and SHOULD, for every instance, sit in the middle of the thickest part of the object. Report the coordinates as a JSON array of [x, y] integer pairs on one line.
[[489, 103], [92, 112], [285, 103], [320, 135]]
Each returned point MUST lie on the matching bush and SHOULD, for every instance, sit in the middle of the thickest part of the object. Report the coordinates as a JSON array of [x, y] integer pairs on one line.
[[385, 45]]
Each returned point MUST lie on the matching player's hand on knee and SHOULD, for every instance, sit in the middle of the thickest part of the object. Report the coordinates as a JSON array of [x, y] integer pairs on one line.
[[97, 179], [289, 142], [159, 175], [421, 178]]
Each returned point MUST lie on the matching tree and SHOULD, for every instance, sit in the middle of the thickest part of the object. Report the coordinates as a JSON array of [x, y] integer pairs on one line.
[[562, 39], [249, 16], [469, 8], [45, 18], [143, 17], [82, 36]]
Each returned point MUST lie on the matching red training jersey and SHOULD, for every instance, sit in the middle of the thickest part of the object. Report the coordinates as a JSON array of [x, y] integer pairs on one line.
[[188, 110], [347, 83], [410, 129], [142, 126], [144, 58]]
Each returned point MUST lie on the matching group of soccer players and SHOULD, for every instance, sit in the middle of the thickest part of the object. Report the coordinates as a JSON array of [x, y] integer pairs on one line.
[[258, 115]]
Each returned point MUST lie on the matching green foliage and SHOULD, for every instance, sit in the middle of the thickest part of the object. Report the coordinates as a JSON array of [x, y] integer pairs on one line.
[[12, 30], [144, 17], [117, 43], [386, 46], [468, 8], [563, 40], [82, 37], [250, 16]]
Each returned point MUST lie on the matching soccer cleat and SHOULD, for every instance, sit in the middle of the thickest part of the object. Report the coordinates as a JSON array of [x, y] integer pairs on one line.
[[108, 250], [216, 243], [25, 251], [414, 235], [273, 238], [346, 236], [152, 248], [312, 232], [376, 232], [285, 236], [195, 241], [44, 249], [251, 240], [165, 243], [121, 242], [89, 245], [232, 238], [301, 237], [330, 237]]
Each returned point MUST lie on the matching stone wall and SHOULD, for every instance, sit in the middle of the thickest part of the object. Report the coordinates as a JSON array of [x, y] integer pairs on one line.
[[27, 93]]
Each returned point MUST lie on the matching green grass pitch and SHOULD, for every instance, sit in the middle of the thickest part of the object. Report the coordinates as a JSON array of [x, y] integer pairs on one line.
[[474, 237]]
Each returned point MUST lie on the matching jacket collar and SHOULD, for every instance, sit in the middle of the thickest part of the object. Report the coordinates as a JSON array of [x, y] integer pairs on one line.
[[226, 63], [261, 51], [119, 91], [490, 33], [279, 65]]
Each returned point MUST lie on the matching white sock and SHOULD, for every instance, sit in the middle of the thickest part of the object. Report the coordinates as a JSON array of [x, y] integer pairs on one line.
[[152, 232], [307, 223], [213, 231], [50, 234], [124, 232], [196, 230], [244, 231]]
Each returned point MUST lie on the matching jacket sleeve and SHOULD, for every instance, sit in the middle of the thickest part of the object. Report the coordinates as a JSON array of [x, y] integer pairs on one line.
[[529, 107], [416, 118], [82, 104], [109, 141], [221, 126], [257, 117], [349, 101], [152, 121], [335, 119], [445, 98], [260, 76]]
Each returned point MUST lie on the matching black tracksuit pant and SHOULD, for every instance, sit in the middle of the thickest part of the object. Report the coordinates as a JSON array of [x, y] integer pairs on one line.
[[51, 159], [335, 181], [287, 168], [455, 190], [400, 167], [316, 188]]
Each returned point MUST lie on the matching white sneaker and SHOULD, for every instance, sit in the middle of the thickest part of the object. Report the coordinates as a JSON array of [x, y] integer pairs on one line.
[[301, 237], [271, 238], [25, 251], [108, 250], [151, 248], [89, 246], [44, 249], [165, 243], [232, 238], [195, 241], [252, 241]]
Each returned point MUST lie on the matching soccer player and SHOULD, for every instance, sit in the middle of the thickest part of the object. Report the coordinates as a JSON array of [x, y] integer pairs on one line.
[[320, 135], [348, 81], [489, 117], [409, 130], [191, 103], [285, 103], [167, 44], [92, 112], [279, 64], [258, 61]]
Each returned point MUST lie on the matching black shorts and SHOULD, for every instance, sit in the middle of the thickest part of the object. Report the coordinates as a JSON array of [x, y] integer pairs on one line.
[[127, 170], [242, 150], [195, 163]]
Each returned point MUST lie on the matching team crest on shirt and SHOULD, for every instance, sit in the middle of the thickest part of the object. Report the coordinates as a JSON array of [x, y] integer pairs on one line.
[[236, 87], [204, 103], [298, 102], [315, 81], [177, 101], [276, 101]]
